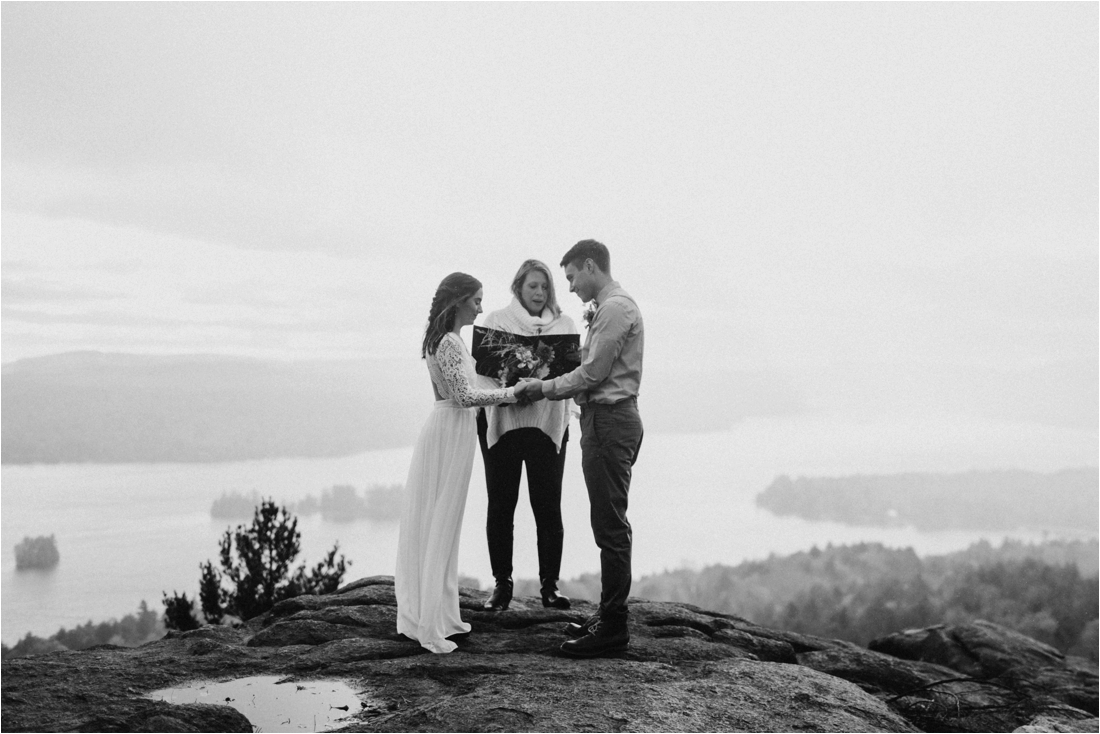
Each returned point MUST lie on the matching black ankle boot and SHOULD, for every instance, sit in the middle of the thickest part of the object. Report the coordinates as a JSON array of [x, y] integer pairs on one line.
[[551, 597], [501, 597]]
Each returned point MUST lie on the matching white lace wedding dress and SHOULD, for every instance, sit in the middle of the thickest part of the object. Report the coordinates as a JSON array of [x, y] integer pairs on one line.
[[426, 582]]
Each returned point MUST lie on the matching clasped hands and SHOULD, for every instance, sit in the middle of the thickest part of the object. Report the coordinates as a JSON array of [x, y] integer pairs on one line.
[[528, 390]]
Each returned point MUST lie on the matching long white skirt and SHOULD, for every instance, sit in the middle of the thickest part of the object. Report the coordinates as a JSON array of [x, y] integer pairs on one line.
[[426, 582]]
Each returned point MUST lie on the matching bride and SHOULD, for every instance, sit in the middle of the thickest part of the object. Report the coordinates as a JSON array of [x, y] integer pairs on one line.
[[426, 581]]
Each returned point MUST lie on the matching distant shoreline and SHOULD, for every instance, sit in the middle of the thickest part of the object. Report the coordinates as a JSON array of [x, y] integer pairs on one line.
[[993, 500], [779, 585]]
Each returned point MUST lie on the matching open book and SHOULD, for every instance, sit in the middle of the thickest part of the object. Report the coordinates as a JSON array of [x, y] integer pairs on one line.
[[507, 357]]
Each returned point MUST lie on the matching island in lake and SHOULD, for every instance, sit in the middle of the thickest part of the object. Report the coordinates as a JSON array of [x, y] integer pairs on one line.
[[36, 553], [340, 503], [975, 500]]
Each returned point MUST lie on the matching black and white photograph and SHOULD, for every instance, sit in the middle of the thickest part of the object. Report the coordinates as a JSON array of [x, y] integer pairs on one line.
[[550, 366]]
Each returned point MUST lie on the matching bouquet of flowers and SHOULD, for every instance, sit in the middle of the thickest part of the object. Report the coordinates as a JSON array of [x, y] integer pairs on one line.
[[509, 357]]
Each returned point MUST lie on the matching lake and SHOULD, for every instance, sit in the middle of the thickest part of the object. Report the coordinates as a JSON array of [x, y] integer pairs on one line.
[[131, 532]]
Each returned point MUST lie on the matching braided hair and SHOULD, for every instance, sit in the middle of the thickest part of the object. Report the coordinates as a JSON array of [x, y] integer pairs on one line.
[[454, 289]]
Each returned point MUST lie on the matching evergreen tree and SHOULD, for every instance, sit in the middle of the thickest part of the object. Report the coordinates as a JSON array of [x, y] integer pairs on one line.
[[256, 567]]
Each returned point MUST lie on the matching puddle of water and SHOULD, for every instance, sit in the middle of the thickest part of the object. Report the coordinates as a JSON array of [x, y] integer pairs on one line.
[[273, 703]]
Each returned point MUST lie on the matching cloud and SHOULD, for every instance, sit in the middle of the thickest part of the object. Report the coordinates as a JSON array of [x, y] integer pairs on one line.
[[19, 291], [355, 128], [175, 290], [87, 318], [780, 185], [280, 322]]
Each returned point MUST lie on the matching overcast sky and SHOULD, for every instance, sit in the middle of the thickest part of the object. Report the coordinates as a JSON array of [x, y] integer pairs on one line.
[[801, 185]]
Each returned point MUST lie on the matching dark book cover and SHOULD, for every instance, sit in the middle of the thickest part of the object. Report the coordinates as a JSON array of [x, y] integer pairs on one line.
[[507, 356]]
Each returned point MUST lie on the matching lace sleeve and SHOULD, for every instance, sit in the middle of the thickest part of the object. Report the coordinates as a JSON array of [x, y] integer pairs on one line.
[[452, 364]]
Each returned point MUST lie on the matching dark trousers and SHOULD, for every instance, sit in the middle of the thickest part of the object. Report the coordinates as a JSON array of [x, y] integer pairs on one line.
[[611, 436], [545, 466]]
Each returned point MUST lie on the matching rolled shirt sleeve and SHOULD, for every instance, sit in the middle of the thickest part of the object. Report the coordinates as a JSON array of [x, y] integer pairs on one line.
[[611, 364]]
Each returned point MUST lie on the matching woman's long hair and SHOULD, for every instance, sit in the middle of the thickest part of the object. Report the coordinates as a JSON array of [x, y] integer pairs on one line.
[[529, 266], [454, 289]]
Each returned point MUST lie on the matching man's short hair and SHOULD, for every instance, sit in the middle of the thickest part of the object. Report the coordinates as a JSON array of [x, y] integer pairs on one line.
[[589, 249]]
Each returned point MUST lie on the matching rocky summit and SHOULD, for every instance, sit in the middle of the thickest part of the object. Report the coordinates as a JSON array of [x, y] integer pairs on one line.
[[685, 670]]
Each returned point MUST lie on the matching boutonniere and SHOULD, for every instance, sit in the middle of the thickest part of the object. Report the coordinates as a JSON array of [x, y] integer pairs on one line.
[[589, 313]]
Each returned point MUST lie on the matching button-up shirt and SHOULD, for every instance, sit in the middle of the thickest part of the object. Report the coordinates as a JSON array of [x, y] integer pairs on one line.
[[611, 358]]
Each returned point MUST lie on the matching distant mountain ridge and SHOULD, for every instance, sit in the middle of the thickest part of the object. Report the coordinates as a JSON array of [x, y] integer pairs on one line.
[[110, 407], [103, 407], [100, 407]]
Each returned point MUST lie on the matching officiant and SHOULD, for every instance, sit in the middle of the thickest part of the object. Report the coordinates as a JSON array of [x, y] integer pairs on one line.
[[534, 435]]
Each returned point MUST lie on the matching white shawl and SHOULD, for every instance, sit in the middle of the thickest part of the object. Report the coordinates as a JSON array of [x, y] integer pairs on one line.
[[549, 416]]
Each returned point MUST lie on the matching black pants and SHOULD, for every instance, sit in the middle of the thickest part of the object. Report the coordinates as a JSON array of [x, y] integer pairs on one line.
[[545, 466], [611, 437]]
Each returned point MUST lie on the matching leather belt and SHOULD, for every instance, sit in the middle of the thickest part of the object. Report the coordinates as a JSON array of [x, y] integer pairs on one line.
[[611, 406]]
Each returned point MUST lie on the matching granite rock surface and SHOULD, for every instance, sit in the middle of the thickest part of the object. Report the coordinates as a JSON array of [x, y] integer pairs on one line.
[[686, 670]]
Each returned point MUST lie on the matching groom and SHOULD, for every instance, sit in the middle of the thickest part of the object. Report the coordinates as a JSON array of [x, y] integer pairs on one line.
[[605, 385]]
